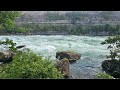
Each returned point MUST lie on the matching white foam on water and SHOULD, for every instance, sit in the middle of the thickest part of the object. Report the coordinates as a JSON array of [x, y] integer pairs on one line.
[[92, 52]]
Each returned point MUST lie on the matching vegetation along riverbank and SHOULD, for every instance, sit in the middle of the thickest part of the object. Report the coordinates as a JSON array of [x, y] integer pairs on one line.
[[21, 62]]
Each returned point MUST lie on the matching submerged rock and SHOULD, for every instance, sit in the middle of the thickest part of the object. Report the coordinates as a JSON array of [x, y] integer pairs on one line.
[[112, 67], [21, 46], [71, 56], [63, 67], [6, 56]]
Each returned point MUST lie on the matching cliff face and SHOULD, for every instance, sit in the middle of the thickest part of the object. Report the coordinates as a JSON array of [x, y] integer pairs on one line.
[[91, 17]]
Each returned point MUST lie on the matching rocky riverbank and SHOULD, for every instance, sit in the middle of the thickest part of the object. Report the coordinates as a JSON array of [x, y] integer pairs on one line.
[[112, 67]]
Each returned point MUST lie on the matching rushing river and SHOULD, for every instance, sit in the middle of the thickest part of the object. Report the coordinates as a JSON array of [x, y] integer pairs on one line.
[[92, 52]]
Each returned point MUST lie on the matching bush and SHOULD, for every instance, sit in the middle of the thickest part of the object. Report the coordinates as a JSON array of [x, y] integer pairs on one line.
[[26, 64], [114, 47], [9, 44], [103, 76]]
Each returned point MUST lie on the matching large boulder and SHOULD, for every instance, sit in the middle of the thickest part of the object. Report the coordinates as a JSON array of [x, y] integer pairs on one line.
[[112, 67], [6, 56], [63, 67], [71, 56]]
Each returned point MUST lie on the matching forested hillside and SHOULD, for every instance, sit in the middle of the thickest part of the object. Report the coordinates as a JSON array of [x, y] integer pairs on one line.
[[102, 23]]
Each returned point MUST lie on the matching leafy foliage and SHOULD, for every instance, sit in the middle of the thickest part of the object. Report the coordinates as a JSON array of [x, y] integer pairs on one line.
[[103, 76], [9, 44], [21, 30], [114, 47], [7, 19], [26, 64], [75, 29]]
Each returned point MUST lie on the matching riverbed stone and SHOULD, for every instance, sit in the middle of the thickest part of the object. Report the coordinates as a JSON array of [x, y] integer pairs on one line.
[[112, 67], [6, 56], [63, 67], [70, 55]]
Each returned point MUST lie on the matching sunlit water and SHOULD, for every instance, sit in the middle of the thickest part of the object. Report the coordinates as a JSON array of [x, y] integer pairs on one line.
[[92, 52]]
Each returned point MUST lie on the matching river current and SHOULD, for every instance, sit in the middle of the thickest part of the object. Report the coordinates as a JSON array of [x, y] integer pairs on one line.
[[92, 52]]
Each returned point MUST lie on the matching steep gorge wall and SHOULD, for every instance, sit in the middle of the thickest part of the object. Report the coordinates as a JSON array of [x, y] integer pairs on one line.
[[93, 17]]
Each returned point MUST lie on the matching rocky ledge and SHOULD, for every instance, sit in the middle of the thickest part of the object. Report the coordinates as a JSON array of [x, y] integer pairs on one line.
[[63, 67], [112, 67], [6, 56], [70, 55]]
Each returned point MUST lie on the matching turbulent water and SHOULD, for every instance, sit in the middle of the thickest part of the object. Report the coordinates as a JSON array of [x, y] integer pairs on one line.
[[92, 52]]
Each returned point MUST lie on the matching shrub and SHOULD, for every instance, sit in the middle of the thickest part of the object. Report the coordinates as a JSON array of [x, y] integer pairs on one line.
[[26, 64], [9, 44], [103, 76]]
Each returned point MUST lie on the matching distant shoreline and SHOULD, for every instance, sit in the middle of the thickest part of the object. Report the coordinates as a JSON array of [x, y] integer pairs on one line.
[[49, 35]]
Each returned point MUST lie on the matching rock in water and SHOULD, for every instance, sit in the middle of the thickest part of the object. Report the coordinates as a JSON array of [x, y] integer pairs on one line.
[[21, 46], [6, 56], [63, 67], [71, 56], [112, 67]]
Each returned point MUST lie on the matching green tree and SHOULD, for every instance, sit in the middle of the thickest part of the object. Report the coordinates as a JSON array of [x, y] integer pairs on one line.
[[21, 29], [114, 47], [7, 19]]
